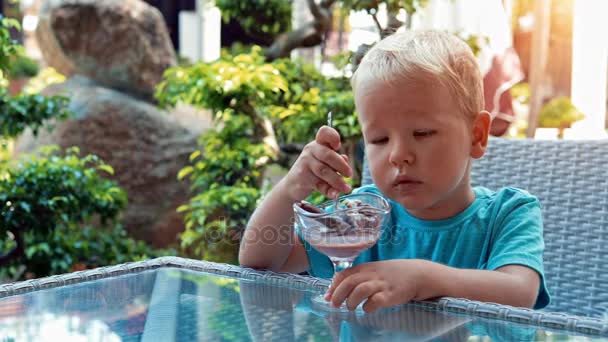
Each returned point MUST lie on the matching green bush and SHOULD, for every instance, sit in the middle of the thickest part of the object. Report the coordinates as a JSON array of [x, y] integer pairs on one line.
[[226, 181], [8, 47], [259, 17], [231, 82], [23, 111], [292, 94], [22, 66], [72, 248], [51, 200], [303, 108], [48, 191], [18, 113]]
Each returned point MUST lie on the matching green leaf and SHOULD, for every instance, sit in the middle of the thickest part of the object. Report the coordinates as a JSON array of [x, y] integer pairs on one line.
[[26, 207], [185, 172], [106, 168], [183, 208], [194, 155]]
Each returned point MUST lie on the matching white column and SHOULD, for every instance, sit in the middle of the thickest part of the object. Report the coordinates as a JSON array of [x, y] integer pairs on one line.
[[189, 35], [300, 15], [200, 32], [211, 28], [590, 66]]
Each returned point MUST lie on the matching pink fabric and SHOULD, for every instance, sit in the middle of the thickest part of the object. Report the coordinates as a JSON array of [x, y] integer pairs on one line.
[[505, 72]]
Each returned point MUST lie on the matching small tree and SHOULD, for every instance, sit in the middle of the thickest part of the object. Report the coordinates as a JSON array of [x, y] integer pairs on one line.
[[263, 109]]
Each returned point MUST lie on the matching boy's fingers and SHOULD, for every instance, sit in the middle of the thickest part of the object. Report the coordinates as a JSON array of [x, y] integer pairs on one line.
[[344, 289], [324, 188], [375, 302], [360, 293], [328, 175], [333, 159], [329, 137], [340, 276]]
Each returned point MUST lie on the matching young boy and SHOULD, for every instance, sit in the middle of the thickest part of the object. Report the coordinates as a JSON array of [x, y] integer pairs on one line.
[[419, 99]]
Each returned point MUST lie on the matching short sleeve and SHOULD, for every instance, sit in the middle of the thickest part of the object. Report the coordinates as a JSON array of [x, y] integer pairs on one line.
[[368, 188], [518, 237]]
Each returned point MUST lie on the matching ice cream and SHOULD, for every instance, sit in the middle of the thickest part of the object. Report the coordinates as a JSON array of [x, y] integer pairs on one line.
[[358, 216], [345, 247]]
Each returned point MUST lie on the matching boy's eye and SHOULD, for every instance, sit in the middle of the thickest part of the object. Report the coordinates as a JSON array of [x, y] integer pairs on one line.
[[424, 133], [379, 141]]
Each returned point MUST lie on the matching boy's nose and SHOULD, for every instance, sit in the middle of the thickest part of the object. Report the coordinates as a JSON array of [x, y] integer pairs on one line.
[[401, 155]]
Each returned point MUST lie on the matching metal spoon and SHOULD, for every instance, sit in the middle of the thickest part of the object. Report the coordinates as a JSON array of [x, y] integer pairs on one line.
[[329, 123]]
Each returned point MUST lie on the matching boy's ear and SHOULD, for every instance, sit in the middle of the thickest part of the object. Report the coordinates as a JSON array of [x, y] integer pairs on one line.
[[479, 134]]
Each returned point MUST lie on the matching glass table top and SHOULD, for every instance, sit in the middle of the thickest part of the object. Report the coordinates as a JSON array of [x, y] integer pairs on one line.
[[173, 304]]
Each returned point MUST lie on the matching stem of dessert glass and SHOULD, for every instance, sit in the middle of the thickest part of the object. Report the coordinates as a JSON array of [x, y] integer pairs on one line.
[[341, 264]]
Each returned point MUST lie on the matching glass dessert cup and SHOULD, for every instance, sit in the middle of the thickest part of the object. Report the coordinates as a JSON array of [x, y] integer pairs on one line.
[[342, 231]]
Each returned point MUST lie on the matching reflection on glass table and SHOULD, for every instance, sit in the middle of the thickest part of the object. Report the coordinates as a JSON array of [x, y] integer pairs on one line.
[[103, 310], [179, 304]]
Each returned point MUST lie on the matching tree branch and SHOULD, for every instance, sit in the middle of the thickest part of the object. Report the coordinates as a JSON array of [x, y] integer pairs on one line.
[[310, 34], [392, 23], [292, 148], [377, 22], [327, 3], [263, 130], [315, 10]]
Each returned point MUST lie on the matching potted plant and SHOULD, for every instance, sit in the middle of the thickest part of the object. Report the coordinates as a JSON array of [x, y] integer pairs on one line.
[[559, 113]]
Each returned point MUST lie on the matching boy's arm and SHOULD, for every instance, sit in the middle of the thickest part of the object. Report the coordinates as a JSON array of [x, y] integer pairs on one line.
[[513, 285], [269, 241], [394, 282], [297, 261]]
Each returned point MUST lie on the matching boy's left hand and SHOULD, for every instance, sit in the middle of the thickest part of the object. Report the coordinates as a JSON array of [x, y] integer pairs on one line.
[[382, 283]]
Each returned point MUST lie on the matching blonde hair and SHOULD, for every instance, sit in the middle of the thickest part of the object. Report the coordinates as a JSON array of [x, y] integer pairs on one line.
[[416, 55]]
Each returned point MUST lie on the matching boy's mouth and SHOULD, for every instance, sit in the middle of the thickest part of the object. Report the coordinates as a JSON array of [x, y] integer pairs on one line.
[[403, 180]]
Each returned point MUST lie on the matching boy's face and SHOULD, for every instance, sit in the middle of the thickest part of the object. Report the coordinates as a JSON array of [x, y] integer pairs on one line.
[[419, 145]]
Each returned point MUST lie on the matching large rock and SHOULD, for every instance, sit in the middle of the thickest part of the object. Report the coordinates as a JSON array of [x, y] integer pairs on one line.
[[121, 44], [145, 146]]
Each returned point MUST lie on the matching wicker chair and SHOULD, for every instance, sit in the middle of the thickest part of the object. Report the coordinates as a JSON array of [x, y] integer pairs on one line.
[[568, 178]]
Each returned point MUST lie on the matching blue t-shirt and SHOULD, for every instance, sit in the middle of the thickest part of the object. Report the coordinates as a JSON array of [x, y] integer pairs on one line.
[[498, 229]]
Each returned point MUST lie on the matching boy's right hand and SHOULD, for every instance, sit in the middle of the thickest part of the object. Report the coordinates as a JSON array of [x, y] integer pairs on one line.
[[319, 167]]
